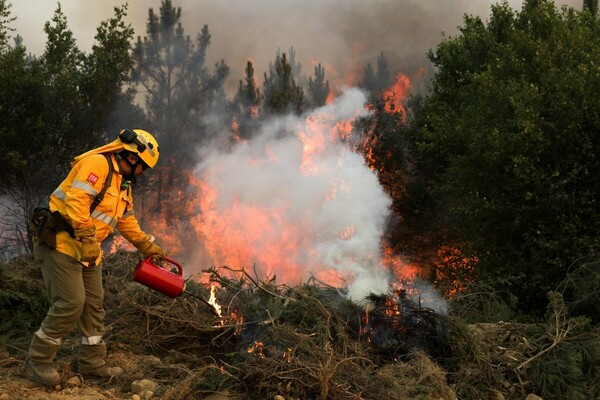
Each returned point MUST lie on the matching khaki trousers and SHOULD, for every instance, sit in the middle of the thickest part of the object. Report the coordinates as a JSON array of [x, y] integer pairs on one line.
[[76, 297]]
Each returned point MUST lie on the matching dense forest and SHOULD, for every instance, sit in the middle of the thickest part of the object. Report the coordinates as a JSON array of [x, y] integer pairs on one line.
[[492, 171]]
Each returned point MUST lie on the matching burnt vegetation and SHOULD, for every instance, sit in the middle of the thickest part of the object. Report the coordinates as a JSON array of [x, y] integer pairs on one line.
[[491, 170]]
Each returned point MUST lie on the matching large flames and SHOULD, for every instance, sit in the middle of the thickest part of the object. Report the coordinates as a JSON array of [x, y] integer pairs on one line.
[[295, 203]]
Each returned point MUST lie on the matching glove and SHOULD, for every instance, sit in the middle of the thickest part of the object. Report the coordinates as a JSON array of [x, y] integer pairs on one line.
[[91, 249], [149, 248], [89, 243]]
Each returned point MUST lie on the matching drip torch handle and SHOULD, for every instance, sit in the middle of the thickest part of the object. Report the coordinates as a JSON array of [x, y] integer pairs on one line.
[[170, 261]]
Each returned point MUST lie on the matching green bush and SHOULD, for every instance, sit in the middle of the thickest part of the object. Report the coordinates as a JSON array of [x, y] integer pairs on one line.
[[23, 303]]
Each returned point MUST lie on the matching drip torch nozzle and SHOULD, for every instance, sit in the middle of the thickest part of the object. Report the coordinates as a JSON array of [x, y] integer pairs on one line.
[[164, 281], [212, 308]]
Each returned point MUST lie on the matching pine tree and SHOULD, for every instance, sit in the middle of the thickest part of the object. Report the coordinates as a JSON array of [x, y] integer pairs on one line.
[[591, 6], [5, 19], [172, 71], [319, 87], [368, 81], [296, 67], [377, 81], [246, 103], [180, 93], [281, 94]]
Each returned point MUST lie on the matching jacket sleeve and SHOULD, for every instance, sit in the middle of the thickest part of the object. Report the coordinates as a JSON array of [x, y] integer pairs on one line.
[[129, 228], [89, 176]]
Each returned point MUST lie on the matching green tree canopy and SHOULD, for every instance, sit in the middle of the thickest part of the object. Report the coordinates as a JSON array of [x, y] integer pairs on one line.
[[509, 139], [56, 106], [5, 20]]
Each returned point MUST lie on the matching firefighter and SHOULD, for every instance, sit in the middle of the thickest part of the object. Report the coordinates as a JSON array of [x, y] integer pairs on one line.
[[93, 200]]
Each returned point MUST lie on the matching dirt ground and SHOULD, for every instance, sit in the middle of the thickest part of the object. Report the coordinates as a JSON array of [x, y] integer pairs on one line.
[[16, 382]]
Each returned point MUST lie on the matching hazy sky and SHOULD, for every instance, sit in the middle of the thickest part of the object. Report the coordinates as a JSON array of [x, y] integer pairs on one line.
[[343, 35]]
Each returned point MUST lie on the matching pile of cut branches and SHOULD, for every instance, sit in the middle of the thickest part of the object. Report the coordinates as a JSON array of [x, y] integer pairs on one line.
[[307, 341]]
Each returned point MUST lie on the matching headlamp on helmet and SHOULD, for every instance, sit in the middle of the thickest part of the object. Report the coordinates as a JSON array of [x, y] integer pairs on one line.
[[142, 144]]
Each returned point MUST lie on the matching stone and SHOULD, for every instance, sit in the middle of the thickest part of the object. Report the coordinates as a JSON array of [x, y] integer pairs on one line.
[[451, 395], [143, 385], [532, 396], [73, 381], [496, 395], [153, 360]]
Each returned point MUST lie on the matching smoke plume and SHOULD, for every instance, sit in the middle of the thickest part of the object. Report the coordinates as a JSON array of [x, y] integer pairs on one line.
[[295, 202], [343, 35]]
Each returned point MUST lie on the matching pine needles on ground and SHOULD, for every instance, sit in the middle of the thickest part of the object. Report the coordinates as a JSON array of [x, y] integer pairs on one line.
[[310, 341]]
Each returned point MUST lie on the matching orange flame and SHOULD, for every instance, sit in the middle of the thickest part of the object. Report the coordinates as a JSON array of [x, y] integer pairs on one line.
[[399, 267], [454, 271], [257, 349], [213, 300], [396, 94], [242, 229], [234, 235], [228, 227]]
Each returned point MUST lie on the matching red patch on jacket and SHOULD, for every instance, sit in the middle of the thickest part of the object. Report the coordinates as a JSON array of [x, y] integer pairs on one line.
[[92, 178]]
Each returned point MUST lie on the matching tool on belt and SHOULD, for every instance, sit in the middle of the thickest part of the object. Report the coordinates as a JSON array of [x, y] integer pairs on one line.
[[44, 224], [163, 280]]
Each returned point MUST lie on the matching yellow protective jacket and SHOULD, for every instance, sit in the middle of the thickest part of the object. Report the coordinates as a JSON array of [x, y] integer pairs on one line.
[[75, 194]]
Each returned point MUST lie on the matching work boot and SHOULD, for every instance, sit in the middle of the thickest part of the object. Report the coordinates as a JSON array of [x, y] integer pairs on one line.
[[102, 372], [92, 355], [40, 356], [43, 373]]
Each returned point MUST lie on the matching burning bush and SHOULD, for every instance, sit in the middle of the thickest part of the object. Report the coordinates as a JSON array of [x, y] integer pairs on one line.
[[453, 271]]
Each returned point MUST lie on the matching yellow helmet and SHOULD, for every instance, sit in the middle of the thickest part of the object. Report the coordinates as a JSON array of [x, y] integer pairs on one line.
[[141, 143]]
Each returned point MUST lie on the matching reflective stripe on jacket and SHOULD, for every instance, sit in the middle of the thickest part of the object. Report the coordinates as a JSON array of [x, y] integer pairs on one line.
[[75, 195]]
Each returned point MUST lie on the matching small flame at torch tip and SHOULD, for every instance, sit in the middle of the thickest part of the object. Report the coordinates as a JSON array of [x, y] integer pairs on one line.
[[213, 300]]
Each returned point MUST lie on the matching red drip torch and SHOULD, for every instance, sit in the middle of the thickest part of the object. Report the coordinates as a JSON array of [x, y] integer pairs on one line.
[[160, 279], [163, 280]]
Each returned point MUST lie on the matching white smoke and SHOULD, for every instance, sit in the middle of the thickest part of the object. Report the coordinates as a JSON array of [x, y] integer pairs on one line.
[[427, 297], [336, 192]]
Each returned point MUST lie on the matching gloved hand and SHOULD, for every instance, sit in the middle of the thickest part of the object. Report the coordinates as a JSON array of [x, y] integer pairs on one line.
[[89, 243], [148, 248], [91, 249]]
